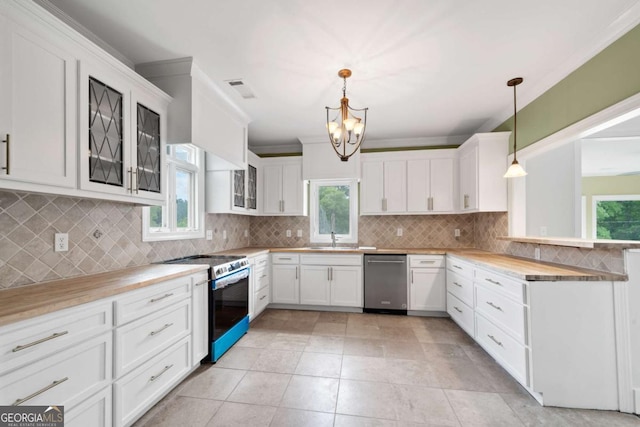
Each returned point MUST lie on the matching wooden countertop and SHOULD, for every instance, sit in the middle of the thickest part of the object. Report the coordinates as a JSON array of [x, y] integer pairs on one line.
[[575, 242], [34, 300], [521, 268]]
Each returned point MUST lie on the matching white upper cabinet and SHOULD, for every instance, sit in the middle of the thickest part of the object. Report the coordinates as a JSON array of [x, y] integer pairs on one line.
[[234, 191], [38, 108], [482, 164], [430, 184], [384, 187], [320, 161], [283, 190], [201, 113], [408, 182], [121, 125], [78, 122]]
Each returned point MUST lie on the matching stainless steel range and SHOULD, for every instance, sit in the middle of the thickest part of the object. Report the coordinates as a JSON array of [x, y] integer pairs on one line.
[[228, 299]]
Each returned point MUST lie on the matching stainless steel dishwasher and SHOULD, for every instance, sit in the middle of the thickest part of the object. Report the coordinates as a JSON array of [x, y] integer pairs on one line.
[[385, 284]]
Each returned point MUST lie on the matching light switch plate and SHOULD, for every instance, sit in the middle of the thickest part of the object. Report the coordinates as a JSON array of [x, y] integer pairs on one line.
[[299, 234], [224, 234], [288, 233], [399, 232], [209, 234]]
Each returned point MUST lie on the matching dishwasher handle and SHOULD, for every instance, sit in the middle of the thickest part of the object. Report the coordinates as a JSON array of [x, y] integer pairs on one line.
[[371, 261]]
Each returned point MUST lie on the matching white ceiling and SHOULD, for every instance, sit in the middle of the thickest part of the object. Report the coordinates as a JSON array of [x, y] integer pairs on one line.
[[425, 68]]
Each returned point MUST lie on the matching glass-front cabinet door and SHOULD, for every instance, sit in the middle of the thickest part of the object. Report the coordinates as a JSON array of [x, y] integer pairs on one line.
[[252, 187], [106, 134], [148, 150], [239, 188]]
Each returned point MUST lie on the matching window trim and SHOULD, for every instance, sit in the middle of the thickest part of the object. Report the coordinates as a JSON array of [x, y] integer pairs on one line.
[[595, 198], [314, 236], [165, 232]]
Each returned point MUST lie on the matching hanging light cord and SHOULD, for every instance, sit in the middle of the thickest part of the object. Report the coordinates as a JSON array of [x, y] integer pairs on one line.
[[515, 123]]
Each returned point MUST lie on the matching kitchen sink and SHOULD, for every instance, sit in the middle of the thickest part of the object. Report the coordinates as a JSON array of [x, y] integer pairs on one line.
[[329, 248]]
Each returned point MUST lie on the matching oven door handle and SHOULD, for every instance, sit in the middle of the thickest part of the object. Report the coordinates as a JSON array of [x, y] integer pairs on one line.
[[231, 279]]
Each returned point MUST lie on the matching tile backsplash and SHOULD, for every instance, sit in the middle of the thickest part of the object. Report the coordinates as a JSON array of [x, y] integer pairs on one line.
[[106, 236], [103, 236]]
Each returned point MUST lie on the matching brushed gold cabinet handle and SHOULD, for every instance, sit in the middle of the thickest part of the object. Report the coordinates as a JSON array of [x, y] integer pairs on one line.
[[42, 390], [156, 376], [7, 141], [40, 341], [160, 298]]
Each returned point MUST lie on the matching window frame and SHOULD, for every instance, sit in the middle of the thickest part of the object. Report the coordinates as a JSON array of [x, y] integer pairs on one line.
[[314, 214], [169, 229], [595, 198]]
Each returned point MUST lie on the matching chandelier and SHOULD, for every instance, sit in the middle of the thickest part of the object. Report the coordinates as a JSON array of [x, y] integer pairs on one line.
[[346, 130]]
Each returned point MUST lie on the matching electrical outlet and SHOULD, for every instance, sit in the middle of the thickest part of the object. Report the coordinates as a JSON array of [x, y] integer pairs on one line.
[[61, 242], [209, 234], [456, 232], [399, 232], [224, 234], [299, 234], [246, 233], [536, 253], [288, 233]]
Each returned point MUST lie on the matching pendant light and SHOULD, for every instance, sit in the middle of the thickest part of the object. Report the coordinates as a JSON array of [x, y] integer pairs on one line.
[[515, 170], [346, 130]]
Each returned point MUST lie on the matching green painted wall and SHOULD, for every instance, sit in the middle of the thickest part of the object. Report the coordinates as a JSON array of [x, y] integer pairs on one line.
[[606, 79], [603, 185]]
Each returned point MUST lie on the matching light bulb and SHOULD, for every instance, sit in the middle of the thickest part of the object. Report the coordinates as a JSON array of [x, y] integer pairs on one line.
[[358, 128], [332, 126], [337, 134], [350, 123]]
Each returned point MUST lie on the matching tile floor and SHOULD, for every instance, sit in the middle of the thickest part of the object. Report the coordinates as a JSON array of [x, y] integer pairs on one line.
[[309, 368]]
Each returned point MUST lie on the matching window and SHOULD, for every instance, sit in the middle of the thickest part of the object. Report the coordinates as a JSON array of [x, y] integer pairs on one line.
[[616, 217], [182, 216], [334, 207]]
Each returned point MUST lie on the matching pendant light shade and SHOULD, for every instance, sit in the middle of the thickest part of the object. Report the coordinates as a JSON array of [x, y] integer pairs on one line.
[[515, 170]]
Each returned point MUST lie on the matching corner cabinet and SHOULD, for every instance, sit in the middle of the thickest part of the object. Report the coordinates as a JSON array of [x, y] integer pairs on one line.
[[233, 191], [283, 190], [482, 164], [38, 108], [122, 127]]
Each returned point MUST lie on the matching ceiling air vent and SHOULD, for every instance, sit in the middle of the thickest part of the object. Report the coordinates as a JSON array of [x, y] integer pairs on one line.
[[242, 88]]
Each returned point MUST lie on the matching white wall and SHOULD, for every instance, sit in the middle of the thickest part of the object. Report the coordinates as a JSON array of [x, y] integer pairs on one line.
[[633, 270], [553, 192]]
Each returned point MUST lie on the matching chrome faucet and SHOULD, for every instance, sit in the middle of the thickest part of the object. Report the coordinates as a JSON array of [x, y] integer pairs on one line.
[[333, 239], [333, 227]]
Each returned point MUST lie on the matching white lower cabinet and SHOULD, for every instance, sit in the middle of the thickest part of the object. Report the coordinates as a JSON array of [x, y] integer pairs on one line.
[[96, 411], [200, 318], [427, 283], [315, 284], [331, 280], [137, 391], [346, 286], [461, 313], [259, 285], [285, 274]]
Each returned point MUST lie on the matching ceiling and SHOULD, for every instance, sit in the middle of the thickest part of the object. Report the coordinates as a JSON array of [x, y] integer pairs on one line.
[[431, 70]]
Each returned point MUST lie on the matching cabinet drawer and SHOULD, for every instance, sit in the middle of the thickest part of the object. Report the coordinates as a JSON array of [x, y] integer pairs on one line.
[[95, 411], [433, 261], [510, 354], [285, 258], [141, 388], [460, 267], [504, 312], [505, 285], [64, 378], [32, 340], [136, 304], [461, 287], [261, 300], [331, 259], [140, 340], [461, 313], [260, 261], [261, 278]]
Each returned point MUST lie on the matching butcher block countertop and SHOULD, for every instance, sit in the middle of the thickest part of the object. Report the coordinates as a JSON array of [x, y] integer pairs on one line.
[[521, 268], [34, 300]]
